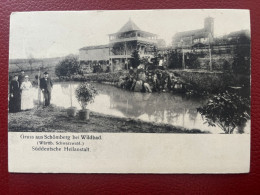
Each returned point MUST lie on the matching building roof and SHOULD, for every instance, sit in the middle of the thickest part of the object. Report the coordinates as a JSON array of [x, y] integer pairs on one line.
[[189, 33], [94, 47], [129, 26], [195, 34], [201, 35], [239, 33]]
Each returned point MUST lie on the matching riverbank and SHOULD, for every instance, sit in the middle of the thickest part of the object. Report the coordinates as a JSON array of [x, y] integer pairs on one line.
[[55, 119], [191, 82]]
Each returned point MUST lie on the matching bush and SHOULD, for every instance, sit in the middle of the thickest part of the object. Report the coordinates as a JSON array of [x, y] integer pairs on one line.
[[204, 82], [102, 77], [227, 111], [175, 60], [85, 94], [135, 60], [242, 59], [67, 67]]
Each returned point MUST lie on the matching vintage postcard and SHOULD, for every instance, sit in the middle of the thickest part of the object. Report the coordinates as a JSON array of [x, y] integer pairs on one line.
[[134, 91]]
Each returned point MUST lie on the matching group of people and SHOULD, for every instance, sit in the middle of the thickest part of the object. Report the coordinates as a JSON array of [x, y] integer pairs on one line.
[[21, 94], [153, 81]]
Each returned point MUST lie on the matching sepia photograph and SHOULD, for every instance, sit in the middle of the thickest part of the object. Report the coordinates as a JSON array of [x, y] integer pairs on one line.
[[130, 76], [153, 71]]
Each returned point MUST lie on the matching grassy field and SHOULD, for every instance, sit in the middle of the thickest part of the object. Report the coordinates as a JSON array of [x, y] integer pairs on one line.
[[15, 65], [55, 119], [46, 64]]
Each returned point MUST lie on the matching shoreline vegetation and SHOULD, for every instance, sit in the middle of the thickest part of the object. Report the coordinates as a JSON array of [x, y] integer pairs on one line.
[[190, 82], [55, 119]]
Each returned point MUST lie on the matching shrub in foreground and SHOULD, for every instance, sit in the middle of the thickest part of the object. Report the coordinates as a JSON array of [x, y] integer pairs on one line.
[[227, 111]]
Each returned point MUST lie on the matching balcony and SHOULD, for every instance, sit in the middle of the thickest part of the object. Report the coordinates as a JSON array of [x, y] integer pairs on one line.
[[129, 56], [119, 56], [154, 41]]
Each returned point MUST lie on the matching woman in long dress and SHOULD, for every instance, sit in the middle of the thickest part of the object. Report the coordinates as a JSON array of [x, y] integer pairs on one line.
[[27, 96]]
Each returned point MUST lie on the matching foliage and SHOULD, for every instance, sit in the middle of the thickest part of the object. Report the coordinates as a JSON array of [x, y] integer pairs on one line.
[[68, 67], [135, 60], [175, 60], [242, 61], [146, 63], [207, 83], [111, 77], [227, 111], [156, 57], [85, 94], [191, 61], [227, 67]]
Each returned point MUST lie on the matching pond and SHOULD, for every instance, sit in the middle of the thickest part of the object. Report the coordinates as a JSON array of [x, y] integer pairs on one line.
[[174, 109]]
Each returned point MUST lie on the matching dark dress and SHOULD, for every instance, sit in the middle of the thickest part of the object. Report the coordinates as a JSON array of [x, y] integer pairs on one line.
[[15, 100], [46, 84]]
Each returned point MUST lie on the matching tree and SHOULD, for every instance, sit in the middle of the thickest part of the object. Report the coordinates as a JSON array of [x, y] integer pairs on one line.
[[68, 67], [227, 111], [135, 60], [242, 60], [175, 60], [156, 57], [192, 61], [31, 60], [226, 67]]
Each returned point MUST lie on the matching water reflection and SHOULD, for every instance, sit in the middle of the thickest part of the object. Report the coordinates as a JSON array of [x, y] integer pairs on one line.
[[156, 107]]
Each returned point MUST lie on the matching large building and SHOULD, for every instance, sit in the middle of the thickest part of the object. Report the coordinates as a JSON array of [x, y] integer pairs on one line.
[[94, 55], [117, 53], [129, 38], [200, 36]]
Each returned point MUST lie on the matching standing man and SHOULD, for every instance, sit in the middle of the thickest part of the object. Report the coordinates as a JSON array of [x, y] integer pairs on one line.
[[15, 95], [21, 77], [46, 87]]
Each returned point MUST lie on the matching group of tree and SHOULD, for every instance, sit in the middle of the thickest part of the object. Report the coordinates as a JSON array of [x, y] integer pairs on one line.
[[68, 66], [136, 59], [242, 60]]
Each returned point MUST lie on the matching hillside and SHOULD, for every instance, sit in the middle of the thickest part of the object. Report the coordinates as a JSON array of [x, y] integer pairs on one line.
[[47, 64], [42, 64]]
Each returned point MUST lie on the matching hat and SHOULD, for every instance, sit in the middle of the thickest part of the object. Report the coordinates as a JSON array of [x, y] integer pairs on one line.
[[26, 76], [46, 73]]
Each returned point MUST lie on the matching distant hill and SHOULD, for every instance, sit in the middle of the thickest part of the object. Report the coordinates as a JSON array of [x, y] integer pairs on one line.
[[16, 65], [43, 64]]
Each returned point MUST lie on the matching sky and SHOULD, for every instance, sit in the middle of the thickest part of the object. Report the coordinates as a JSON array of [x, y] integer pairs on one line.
[[57, 34]]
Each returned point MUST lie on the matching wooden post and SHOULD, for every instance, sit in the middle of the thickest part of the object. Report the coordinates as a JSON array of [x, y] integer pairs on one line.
[[110, 59], [126, 57], [39, 90], [210, 60], [183, 59], [183, 56], [70, 94]]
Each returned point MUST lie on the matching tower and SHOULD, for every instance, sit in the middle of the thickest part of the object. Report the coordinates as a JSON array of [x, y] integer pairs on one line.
[[209, 25]]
